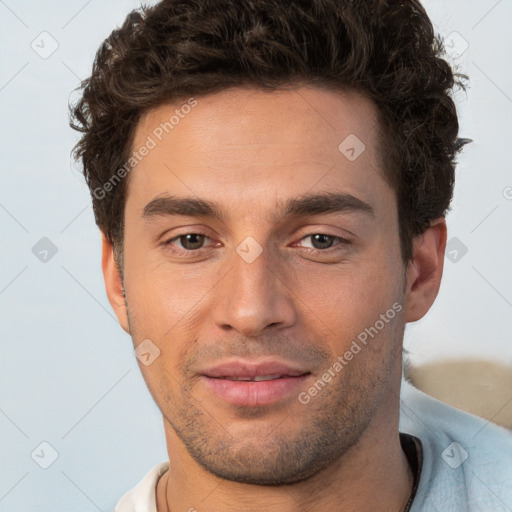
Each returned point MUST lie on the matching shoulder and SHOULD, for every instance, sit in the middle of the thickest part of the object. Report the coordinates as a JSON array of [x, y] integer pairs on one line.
[[142, 498], [467, 461]]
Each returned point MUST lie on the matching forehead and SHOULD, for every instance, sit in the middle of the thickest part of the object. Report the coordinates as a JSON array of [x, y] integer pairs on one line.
[[278, 143]]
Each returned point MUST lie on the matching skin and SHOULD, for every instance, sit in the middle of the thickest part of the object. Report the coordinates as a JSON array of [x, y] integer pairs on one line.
[[250, 151]]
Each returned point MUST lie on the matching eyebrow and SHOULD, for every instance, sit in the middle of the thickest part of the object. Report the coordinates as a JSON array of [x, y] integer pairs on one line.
[[308, 204]]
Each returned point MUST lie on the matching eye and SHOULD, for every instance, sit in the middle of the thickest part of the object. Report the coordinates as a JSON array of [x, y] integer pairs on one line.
[[189, 241], [322, 241]]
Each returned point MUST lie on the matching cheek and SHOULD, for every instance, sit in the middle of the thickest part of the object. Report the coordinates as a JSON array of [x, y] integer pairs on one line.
[[164, 301], [358, 290], [346, 304]]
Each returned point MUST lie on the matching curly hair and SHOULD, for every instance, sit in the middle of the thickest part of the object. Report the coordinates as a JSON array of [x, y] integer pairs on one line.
[[386, 50]]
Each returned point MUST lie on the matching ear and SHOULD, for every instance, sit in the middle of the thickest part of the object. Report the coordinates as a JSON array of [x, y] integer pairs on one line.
[[425, 270], [113, 283]]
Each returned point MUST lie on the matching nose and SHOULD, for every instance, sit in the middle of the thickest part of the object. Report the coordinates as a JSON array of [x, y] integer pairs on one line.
[[254, 296]]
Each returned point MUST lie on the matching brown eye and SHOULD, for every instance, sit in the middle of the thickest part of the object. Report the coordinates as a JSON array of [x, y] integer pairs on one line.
[[190, 245], [321, 241], [323, 244], [191, 241]]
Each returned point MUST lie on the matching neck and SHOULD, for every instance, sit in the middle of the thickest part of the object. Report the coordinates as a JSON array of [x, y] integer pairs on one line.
[[373, 475]]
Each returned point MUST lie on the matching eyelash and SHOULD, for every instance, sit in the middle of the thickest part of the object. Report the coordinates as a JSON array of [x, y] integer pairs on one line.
[[341, 242]]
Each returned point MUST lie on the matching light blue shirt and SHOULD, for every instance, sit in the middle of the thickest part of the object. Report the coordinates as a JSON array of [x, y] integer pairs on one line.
[[467, 461]]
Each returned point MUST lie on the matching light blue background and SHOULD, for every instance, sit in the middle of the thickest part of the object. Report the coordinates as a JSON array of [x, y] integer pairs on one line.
[[68, 375]]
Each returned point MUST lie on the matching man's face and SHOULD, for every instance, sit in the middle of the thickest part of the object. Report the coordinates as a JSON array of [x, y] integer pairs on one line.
[[272, 287]]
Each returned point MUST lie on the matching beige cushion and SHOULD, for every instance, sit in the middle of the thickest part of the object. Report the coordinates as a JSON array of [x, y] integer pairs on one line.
[[477, 386]]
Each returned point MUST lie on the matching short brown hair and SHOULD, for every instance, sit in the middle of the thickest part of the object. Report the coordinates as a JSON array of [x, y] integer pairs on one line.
[[384, 49]]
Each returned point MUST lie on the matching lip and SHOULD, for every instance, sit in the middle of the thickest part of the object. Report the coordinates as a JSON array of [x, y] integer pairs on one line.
[[242, 368], [253, 393]]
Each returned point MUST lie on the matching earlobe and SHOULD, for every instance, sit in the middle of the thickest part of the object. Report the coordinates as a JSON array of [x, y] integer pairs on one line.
[[425, 270], [113, 283]]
